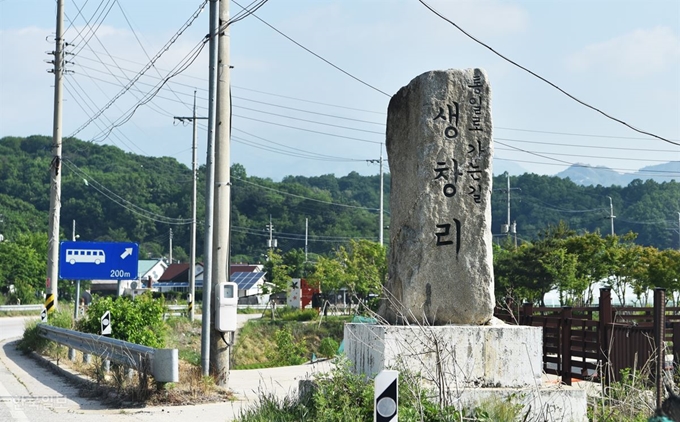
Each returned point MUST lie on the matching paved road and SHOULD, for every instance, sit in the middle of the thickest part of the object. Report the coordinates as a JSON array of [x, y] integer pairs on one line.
[[30, 392]]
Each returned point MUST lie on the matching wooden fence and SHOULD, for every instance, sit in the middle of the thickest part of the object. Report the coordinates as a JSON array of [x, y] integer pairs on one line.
[[597, 343]]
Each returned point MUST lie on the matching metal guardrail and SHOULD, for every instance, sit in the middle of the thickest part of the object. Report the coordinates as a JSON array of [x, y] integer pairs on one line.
[[162, 364], [21, 308]]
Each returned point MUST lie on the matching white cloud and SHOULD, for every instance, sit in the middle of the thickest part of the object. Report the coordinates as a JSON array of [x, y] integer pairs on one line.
[[643, 51]]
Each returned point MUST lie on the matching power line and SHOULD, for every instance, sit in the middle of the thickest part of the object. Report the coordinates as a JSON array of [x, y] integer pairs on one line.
[[316, 55], [583, 103], [308, 130], [304, 197], [163, 50]]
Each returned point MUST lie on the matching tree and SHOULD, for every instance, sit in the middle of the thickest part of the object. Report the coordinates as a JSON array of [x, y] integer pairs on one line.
[[277, 273], [22, 264]]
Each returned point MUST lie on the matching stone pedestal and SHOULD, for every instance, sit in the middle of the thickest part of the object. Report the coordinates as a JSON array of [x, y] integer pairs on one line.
[[469, 364]]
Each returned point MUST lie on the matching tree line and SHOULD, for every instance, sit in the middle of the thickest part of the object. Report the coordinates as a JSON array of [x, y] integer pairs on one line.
[[118, 196]]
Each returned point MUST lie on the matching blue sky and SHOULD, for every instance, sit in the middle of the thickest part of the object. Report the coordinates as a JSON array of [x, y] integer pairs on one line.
[[622, 57]]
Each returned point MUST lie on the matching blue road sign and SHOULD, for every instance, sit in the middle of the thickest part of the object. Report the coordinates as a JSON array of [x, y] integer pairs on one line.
[[98, 260]]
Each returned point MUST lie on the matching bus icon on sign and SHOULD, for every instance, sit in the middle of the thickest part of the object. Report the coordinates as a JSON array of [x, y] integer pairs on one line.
[[96, 256]]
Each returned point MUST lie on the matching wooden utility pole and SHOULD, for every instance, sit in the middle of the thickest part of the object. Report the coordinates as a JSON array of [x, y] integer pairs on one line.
[[220, 343], [55, 168]]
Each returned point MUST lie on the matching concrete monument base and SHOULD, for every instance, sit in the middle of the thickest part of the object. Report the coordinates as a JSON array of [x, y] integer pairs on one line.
[[467, 364]]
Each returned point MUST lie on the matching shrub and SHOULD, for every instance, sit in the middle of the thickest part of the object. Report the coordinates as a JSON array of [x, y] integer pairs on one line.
[[138, 321], [328, 348], [287, 351], [33, 341]]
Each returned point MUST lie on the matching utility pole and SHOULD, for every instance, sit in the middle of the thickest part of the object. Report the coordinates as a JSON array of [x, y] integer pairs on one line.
[[381, 222], [611, 213], [307, 234], [678, 230], [207, 319], [194, 172], [508, 228], [75, 308], [170, 254], [219, 345], [271, 243], [55, 168]]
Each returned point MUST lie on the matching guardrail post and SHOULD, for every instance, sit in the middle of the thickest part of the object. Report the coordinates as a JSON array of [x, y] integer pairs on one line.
[[87, 358], [72, 355], [659, 341], [106, 365], [605, 314]]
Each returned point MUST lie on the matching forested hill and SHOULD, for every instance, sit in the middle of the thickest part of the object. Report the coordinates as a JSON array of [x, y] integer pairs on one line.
[[118, 196]]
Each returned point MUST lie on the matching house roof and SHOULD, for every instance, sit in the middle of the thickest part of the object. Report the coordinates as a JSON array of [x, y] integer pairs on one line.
[[145, 265], [175, 272], [245, 268]]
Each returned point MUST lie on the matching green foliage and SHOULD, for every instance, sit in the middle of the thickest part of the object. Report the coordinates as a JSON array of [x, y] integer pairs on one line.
[[33, 341], [361, 267], [22, 264], [138, 321], [286, 351], [256, 343], [329, 347]]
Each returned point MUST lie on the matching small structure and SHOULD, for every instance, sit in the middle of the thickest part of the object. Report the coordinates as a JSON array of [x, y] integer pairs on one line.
[[149, 270]]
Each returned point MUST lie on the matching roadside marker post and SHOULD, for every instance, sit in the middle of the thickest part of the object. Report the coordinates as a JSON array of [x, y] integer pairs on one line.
[[43, 315], [106, 324], [386, 397]]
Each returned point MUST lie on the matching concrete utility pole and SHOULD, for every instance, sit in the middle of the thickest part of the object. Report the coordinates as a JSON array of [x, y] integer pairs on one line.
[[219, 344], [679, 231], [508, 228], [207, 320], [55, 168], [611, 214], [77, 303], [194, 172], [381, 222], [271, 243], [306, 237], [170, 254]]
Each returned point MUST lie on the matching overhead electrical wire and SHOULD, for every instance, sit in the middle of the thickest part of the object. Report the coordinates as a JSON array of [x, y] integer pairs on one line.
[[91, 182], [148, 66], [316, 55], [583, 103], [304, 197]]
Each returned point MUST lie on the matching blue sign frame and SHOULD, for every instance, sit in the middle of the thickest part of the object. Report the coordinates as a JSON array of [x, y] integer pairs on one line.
[[98, 260]]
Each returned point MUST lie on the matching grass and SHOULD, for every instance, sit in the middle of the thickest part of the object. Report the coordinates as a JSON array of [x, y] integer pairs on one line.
[[256, 339]]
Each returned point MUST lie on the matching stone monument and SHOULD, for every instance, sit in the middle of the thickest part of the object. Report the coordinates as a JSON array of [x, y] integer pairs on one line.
[[439, 300], [440, 152]]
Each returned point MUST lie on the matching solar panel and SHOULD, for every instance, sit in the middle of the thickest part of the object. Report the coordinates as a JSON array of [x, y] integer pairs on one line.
[[246, 280]]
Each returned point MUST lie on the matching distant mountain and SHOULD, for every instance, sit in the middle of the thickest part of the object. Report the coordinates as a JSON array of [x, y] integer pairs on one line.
[[585, 175]]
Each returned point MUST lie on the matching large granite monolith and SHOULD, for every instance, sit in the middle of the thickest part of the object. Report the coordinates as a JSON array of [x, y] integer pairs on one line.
[[440, 151]]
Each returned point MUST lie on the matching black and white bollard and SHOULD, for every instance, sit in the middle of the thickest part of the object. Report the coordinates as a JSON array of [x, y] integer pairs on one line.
[[386, 396]]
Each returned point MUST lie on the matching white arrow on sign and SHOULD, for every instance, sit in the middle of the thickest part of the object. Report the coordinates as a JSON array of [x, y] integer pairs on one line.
[[128, 252]]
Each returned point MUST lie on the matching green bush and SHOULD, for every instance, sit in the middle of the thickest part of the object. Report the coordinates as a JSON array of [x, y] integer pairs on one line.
[[328, 348], [138, 321], [33, 341], [287, 351], [286, 313]]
